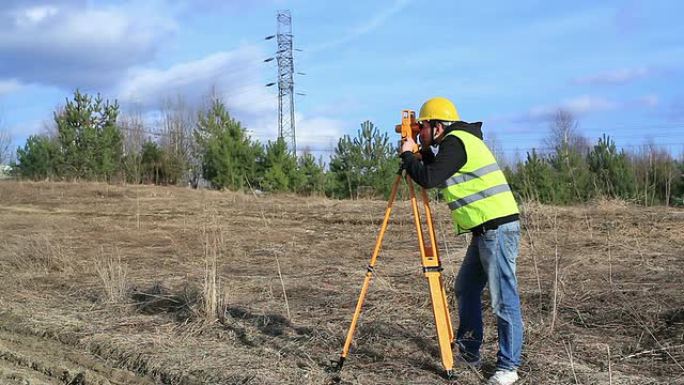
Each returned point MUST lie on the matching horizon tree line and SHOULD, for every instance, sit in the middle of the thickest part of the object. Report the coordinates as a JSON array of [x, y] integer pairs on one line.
[[92, 142]]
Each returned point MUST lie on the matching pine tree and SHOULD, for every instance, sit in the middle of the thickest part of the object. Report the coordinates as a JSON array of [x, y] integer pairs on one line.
[[313, 173], [110, 142], [678, 196], [534, 179], [279, 169], [90, 142], [612, 175], [228, 157], [36, 159], [368, 160]]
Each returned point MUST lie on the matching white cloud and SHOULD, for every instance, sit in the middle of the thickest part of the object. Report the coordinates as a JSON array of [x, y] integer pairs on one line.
[[585, 104], [34, 15], [578, 106], [617, 76], [318, 132], [20, 131], [235, 75], [79, 45], [9, 86]]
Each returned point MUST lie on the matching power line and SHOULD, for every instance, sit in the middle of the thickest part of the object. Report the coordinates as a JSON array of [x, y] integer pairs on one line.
[[635, 131], [628, 146]]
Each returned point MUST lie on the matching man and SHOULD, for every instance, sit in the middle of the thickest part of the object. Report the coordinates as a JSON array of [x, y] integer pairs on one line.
[[481, 202]]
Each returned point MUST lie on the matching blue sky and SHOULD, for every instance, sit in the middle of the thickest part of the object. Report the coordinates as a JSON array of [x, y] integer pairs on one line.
[[617, 65]]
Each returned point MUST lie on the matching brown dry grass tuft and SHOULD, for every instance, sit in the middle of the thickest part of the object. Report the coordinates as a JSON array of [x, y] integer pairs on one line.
[[40, 254], [212, 298], [113, 277]]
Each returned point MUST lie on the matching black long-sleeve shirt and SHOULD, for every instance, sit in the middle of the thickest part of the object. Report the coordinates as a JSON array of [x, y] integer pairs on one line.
[[434, 170]]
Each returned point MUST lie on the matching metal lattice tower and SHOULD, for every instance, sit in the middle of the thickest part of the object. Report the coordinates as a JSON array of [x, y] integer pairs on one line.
[[286, 115]]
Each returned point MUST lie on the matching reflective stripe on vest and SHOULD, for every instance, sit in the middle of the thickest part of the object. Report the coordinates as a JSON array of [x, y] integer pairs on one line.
[[479, 195], [466, 176]]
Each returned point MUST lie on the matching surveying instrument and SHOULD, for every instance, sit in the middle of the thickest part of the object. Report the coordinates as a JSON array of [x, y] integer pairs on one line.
[[429, 258]]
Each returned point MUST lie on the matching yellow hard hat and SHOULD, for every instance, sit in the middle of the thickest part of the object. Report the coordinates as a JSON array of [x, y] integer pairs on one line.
[[438, 108]]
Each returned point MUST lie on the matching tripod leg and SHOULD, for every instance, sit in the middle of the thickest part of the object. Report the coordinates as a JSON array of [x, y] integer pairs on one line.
[[442, 320], [433, 242], [433, 272], [369, 275]]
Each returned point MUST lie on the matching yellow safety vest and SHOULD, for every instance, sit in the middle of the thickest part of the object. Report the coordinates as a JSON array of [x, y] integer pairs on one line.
[[478, 192]]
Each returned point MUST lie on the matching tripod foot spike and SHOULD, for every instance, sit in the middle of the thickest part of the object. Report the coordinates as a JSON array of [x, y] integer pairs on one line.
[[335, 366]]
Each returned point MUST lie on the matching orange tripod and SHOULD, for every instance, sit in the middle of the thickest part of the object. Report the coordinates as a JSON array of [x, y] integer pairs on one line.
[[431, 268]]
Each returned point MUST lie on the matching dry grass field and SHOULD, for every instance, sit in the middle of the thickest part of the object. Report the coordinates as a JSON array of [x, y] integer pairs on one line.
[[161, 285]]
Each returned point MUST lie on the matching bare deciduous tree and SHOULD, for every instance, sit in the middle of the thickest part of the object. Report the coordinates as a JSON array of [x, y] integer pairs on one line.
[[564, 134], [134, 135], [655, 170], [568, 148], [492, 141], [177, 125], [5, 143]]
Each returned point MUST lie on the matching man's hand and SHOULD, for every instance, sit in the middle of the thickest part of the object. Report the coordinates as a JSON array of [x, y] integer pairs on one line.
[[408, 145]]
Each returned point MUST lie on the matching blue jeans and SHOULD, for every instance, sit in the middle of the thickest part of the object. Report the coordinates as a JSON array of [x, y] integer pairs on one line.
[[490, 259]]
